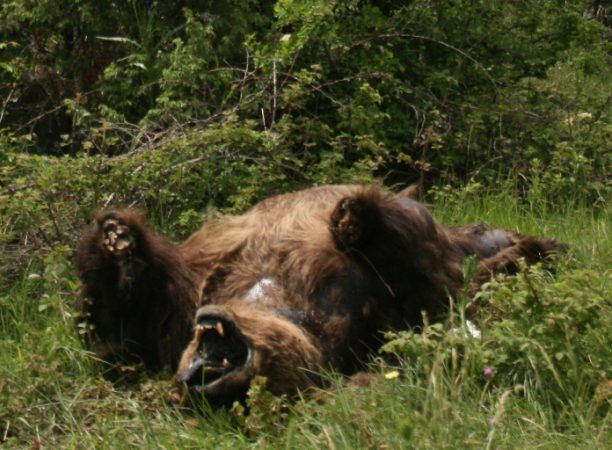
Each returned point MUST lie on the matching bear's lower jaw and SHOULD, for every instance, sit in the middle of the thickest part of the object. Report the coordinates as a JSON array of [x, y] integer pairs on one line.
[[222, 366]]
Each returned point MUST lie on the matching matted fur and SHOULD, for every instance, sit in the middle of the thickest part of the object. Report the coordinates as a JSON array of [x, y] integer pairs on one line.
[[139, 306], [310, 279]]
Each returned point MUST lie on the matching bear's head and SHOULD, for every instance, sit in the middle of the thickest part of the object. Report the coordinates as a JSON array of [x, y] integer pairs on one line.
[[233, 343]]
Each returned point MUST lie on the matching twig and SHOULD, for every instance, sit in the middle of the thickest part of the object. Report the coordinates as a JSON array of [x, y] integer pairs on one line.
[[109, 199], [314, 87], [245, 76], [274, 92], [6, 430], [5, 104], [40, 116], [263, 119], [54, 221], [13, 190], [447, 45], [51, 111]]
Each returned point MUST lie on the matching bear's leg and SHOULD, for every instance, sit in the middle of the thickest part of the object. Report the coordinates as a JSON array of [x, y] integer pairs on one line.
[[115, 251], [138, 294], [506, 261], [119, 243], [374, 221], [396, 241], [348, 222]]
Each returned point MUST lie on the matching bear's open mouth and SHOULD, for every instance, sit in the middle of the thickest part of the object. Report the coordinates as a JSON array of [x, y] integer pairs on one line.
[[224, 350]]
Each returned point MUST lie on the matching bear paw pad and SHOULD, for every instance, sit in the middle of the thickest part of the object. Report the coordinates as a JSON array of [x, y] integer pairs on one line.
[[346, 222], [117, 239]]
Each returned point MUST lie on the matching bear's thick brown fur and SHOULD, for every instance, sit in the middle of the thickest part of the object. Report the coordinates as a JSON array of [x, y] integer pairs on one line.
[[300, 282]]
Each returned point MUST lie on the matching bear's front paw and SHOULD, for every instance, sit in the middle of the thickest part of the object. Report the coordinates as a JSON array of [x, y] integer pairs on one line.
[[117, 238], [347, 222]]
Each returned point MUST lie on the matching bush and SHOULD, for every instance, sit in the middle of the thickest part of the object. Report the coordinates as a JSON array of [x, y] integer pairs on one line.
[[444, 90], [551, 336]]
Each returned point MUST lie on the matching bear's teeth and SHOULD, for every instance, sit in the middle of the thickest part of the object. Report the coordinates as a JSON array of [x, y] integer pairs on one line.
[[226, 363], [220, 330]]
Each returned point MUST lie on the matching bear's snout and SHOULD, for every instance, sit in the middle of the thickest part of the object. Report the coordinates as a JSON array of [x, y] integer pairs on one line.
[[230, 347]]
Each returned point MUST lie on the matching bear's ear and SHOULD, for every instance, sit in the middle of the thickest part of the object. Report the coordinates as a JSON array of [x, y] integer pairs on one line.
[[413, 192]]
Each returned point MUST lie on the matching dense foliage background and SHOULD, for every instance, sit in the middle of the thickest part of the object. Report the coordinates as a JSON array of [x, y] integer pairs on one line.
[[499, 109], [181, 106]]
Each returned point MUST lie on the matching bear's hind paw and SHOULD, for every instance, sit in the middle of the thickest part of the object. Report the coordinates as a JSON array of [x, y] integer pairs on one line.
[[117, 238], [346, 222]]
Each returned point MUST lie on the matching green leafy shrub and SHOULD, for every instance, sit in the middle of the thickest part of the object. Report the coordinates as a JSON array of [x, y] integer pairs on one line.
[[551, 336], [444, 90]]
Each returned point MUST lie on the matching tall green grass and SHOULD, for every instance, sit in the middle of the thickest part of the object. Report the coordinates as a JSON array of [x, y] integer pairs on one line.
[[545, 389]]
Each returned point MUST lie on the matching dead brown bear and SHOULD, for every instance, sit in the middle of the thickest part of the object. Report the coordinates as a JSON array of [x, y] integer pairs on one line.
[[300, 282]]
